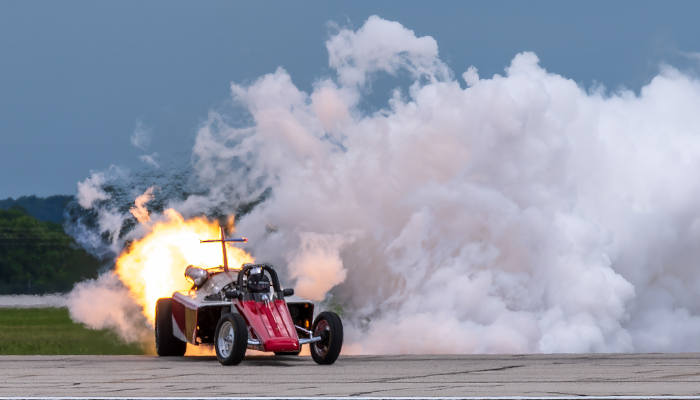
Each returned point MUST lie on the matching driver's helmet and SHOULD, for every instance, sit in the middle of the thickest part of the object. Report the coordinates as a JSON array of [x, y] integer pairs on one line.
[[258, 283]]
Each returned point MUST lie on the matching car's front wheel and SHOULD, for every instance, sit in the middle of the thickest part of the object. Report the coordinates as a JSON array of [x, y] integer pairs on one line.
[[231, 339], [329, 327], [166, 343]]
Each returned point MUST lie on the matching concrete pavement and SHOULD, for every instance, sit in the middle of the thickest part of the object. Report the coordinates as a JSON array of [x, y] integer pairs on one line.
[[368, 376]]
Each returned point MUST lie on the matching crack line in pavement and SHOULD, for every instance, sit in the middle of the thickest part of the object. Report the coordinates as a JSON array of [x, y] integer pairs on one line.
[[387, 380]]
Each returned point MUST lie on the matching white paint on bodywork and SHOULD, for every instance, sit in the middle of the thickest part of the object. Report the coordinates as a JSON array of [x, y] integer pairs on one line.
[[195, 298], [177, 332]]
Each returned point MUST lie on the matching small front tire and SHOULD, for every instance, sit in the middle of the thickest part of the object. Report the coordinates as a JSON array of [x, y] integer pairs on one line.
[[231, 339], [166, 343], [330, 328]]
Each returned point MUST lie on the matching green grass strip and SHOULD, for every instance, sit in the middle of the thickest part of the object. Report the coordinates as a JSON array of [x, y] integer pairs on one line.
[[50, 331]]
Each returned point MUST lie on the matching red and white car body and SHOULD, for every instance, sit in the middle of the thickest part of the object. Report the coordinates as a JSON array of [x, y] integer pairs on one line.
[[239, 309], [272, 328]]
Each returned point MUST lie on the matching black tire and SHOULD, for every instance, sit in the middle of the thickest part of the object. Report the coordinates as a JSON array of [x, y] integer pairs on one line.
[[287, 353], [230, 350], [330, 328], [166, 343]]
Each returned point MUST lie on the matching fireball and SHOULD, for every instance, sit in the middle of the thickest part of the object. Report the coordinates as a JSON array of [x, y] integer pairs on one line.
[[153, 266]]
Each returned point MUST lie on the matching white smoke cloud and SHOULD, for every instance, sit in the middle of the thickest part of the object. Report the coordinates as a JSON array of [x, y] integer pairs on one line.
[[317, 266], [519, 214], [141, 137], [104, 192], [150, 159], [382, 46], [90, 190], [105, 303], [516, 213]]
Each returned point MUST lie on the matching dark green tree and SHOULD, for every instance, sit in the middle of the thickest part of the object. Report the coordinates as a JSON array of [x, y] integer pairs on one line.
[[38, 257]]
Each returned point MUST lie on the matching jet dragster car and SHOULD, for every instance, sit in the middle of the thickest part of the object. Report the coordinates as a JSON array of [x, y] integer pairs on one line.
[[243, 309]]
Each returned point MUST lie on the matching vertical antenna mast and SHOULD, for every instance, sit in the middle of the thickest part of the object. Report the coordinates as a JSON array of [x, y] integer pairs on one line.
[[223, 248], [223, 241]]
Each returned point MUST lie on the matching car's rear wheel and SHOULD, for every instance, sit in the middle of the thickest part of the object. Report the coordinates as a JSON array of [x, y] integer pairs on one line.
[[166, 343], [329, 327], [231, 339]]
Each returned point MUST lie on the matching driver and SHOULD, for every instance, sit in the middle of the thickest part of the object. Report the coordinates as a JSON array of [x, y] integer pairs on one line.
[[258, 283]]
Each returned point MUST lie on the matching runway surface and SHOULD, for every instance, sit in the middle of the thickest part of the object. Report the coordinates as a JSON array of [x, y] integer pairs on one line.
[[366, 376]]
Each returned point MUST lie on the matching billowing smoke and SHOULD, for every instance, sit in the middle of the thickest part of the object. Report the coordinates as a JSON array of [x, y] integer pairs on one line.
[[104, 303], [513, 213]]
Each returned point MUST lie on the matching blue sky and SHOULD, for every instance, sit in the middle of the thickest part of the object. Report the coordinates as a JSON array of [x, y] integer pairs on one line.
[[78, 77]]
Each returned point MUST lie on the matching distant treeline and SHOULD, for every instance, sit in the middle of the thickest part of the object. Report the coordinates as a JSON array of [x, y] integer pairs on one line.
[[37, 256], [50, 208]]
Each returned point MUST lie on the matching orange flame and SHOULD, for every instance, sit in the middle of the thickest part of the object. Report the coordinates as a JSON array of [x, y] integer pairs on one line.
[[154, 266]]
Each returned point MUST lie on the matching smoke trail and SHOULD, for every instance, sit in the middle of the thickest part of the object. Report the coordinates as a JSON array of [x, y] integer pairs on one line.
[[104, 303], [516, 213]]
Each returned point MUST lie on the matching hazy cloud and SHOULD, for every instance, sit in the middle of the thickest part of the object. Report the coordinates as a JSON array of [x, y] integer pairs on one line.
[[141, 137], [150, 159]]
